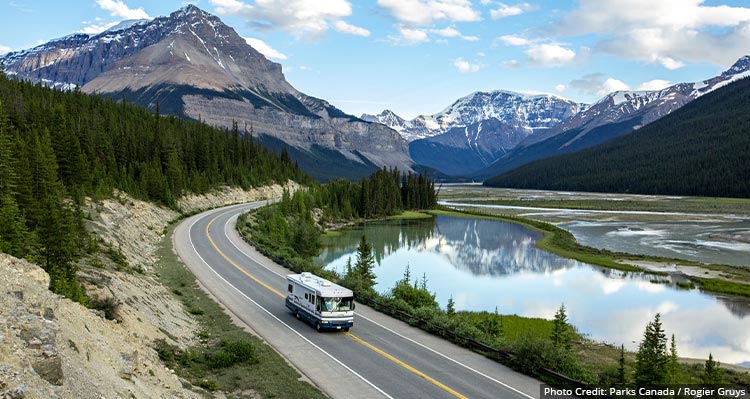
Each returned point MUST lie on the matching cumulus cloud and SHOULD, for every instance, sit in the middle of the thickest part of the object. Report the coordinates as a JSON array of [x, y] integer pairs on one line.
[[561, 88], [656, 84], [4, 49], [343, 27], [410, 36], [97, 26], [263, 48], [117, 8], [302, 18], [667, 32], [451, 32], [596, 84], [549, 55], [425, 12], [464, 66], [509, 11], [514, 40]]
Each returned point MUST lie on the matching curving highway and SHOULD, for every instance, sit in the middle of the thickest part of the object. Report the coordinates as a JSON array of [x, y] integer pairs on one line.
[[380, 357]]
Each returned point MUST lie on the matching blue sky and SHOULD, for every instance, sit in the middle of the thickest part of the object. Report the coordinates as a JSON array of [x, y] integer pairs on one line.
[[418, 56]]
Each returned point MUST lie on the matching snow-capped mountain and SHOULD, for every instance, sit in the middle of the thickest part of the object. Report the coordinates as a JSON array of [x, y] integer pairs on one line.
[[533, 112], [614, 115], [475, 130], [194, 65]]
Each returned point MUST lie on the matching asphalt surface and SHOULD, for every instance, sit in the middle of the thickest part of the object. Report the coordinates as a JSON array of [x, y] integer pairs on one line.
[[379, 357]]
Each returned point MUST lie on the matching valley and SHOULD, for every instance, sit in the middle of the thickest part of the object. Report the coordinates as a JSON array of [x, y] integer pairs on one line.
[[161, 176]]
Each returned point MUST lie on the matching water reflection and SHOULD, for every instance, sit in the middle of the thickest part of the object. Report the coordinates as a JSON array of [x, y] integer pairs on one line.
[[485, 264]]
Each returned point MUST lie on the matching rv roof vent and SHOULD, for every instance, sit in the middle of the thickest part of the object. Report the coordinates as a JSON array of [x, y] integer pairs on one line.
[[326, 283], [306, 274]]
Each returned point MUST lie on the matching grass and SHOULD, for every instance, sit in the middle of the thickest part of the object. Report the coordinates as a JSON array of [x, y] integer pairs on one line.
[[228, 358], [406, 215], [687, 204]]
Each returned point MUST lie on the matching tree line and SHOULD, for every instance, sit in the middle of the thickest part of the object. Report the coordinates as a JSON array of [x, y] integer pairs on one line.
[[291, 229], [56, 148]]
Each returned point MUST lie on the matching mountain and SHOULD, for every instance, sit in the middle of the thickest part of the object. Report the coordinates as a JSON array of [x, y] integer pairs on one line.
[[193, 65], [701, 149], [475, 130], [615, 115]]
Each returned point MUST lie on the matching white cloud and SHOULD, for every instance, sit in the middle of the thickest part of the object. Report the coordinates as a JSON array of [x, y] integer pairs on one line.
[[447, 32], [425, 12], [410, 36], [514, 40], [263, 48], [343, 27], [97, 27], [302, 18], [561, 88], [509, 11], [596, 84], [656, 84], [610, 85], [667, 32], [4, 49], [464, 66], [549, 55], [453, 32], [117, 8]]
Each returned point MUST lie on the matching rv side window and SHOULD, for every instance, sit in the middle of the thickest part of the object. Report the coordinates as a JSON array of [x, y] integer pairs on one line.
[[306, 297], [289, 288]]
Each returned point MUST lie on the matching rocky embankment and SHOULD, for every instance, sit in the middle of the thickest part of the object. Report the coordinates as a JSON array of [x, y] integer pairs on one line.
[[51, 347]]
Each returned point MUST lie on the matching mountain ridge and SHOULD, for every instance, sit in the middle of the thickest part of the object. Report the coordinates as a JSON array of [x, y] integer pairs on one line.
[[200, 68]]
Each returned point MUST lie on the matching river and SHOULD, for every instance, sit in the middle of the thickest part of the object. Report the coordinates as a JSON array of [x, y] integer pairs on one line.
[[486, 264]]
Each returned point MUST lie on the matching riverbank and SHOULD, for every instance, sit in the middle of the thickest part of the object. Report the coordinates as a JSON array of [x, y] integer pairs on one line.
[[719, 279], [589, 361]]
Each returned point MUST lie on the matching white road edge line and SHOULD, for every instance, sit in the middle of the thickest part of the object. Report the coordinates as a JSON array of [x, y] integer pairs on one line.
[[384, 327], [190, 239]]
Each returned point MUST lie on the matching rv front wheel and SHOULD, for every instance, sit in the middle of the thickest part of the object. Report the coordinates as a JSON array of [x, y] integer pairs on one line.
[[317, 327]]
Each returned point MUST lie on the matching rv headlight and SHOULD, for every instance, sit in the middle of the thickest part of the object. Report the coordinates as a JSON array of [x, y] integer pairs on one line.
[[324, 321]]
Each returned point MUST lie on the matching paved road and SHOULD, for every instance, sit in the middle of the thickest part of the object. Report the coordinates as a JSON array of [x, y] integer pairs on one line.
[[379, 357]]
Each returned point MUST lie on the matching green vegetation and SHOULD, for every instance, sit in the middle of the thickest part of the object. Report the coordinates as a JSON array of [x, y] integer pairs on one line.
[[652, 359], [563, 243], [556, 240], [57, 148], [686, 204], [227, 358], [700, 149]]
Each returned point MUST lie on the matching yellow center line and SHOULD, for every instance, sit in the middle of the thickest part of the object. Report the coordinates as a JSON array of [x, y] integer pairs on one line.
[[406, 366], [350, 335]]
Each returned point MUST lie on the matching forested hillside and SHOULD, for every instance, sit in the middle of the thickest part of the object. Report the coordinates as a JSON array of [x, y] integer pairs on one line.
[[58, 147], [701, 149]]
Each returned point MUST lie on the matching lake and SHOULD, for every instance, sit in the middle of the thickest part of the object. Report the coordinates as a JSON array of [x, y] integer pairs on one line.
[[487, 264]]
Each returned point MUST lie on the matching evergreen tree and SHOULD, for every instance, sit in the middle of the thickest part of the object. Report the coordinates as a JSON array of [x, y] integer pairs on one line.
[[651, 367], [561, 335], [621, 377], [450, 308], [712, 372], [364, 267]]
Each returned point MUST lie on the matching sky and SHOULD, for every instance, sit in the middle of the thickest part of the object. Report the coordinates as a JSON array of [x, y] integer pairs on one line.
[[419, 56]]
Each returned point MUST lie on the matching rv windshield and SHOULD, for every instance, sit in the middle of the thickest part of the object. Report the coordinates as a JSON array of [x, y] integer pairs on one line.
[[337, 304]]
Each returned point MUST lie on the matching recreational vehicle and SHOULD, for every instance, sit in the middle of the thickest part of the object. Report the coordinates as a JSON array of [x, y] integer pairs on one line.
[[320, 302]]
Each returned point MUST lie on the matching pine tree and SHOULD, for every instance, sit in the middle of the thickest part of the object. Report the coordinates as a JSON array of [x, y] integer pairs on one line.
[[651, 367], [364, 267], [12, 225], [561, 331], [450, 308], [621, 377], [712, 372]]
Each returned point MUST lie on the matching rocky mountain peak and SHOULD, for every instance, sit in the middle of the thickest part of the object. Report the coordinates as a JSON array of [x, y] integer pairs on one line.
[[740, 66]]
